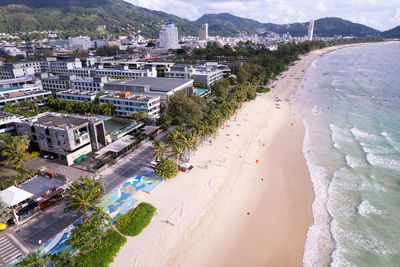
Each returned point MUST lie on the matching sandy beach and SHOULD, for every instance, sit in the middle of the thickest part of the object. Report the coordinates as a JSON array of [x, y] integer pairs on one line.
[[247, 202]]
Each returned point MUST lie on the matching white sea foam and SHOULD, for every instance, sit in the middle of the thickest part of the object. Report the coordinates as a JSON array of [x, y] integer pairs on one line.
[[318, 242], [354, 162], [375, 149], [366, 208], [383, 162], [340, 135], [362, 135]]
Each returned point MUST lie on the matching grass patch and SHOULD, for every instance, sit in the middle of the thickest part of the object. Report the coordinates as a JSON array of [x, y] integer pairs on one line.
[[263, 90], [111, 243], [133, 222]]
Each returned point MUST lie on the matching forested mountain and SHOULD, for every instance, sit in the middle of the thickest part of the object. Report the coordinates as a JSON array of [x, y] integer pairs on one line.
[[323, 27], [392, 33], [83, 17]]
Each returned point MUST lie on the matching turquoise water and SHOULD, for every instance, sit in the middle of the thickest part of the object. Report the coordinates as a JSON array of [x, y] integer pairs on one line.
[[352, 148], [199, 91]]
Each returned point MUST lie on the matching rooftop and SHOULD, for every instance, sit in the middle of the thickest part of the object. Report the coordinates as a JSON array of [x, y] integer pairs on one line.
[[77, 92], [38, 185], [118, 95], [155, 83], [58, 120]]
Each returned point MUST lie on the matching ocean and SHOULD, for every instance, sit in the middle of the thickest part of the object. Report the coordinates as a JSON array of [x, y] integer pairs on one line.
[[351, 111]]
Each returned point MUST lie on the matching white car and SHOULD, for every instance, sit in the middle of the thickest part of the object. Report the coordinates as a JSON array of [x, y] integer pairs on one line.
[[153, 164]]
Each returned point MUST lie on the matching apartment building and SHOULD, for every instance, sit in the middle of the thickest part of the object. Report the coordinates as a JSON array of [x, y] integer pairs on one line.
[[14, 91], [126, 103], [61, 82], [68, 137], [77, 95], [7, 122], [152, 86]]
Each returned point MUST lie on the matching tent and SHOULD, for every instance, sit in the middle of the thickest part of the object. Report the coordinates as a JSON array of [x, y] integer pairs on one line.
[[13, 195]]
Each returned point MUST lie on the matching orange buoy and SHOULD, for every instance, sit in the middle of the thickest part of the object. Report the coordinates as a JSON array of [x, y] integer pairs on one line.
[[256, 160], [291, 124]]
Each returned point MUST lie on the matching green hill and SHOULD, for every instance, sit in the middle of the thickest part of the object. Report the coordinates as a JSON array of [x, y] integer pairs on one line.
[[323, 27], [392, 33], [84, 16]]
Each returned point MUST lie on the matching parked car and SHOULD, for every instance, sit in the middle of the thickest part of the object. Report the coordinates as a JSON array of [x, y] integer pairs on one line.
[[153, 164], [48, 157]]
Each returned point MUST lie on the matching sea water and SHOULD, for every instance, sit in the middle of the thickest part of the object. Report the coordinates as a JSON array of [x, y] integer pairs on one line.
[[352, 148]]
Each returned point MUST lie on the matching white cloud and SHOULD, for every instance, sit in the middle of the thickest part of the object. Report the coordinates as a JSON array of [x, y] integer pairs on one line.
[[380, 14], [321, 7], [396, 18]]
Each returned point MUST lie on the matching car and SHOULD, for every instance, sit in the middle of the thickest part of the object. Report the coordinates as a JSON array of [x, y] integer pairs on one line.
[[153, 164], [48, 157]]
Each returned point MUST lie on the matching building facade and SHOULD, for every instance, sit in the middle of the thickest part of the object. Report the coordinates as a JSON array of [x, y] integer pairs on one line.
[[203, 32], [77, 95], [80, 43], [168, 37], [68, 137], [152, 86], [57, 83], [7, 122], [14, 91], [126, 104]]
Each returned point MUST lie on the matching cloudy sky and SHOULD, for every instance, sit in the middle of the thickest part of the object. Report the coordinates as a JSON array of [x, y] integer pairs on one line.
[[380, 14]]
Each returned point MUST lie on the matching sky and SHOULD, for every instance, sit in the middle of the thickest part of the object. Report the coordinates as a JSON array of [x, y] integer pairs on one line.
[[379, 14]]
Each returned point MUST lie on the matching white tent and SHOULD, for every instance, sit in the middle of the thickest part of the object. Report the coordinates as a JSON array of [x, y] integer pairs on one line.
[[14, 195]]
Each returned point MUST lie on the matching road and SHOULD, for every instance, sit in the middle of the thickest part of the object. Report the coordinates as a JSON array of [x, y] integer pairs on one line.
[[52, 222], [45, 227]]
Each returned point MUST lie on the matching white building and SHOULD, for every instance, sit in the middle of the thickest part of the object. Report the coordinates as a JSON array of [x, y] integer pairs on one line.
[[62, 67], [207, 74], [77, 95], [62, 82], [310, 30], [94, 84], [80, 43], [126, 104], [169, 36], [27, 88], [13, 51], [7, 122], [15, 70], [203, 32]]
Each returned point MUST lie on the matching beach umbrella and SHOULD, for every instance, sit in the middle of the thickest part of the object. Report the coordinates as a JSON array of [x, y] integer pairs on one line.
[[291, 124], [256, 161]]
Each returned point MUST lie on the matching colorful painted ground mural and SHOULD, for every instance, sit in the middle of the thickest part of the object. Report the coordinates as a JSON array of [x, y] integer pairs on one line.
[[117, 203]]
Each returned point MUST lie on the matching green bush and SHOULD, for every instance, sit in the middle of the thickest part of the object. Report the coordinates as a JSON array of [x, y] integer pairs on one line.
[[133, 222], [263, 90], [110, 245]]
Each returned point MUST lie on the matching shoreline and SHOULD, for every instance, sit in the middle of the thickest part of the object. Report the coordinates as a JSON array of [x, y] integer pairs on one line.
[[222, 212]]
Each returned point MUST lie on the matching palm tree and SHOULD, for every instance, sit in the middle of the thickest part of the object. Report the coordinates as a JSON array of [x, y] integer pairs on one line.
[[79, 200], [176, 152], [15, 150], [158, 150], [172, 137]]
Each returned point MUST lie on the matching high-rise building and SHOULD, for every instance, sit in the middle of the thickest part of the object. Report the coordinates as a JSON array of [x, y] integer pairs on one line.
[[203, 32], [310, 30], [169, 36]]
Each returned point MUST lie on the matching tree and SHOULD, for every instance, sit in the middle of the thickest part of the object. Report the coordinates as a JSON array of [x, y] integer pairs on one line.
[[83, 194], [15, 149], [158, 150], [86, 236], [33, 260], [5, 212], [62, 259], [164, 121], [141, 115], [166, 169]]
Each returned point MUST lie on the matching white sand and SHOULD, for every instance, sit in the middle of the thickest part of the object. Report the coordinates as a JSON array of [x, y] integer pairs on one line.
[[208, 206]]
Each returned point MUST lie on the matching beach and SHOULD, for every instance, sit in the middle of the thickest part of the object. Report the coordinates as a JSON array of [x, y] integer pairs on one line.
[[248, 199]]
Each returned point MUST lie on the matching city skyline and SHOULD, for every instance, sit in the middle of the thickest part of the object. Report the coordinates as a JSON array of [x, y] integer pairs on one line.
[[381, 15]]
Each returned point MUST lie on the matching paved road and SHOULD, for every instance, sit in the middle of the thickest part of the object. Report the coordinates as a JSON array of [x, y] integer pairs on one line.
[[128, 166], [45, 227], [51, 223], [10, 251]]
